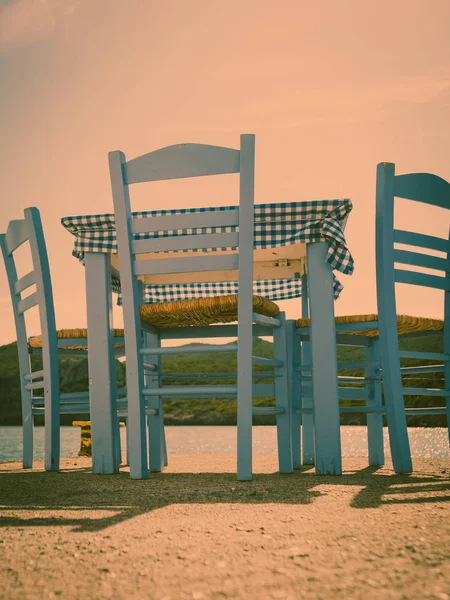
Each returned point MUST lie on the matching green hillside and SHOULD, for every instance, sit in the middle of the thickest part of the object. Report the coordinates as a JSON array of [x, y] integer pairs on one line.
[[195, 369]]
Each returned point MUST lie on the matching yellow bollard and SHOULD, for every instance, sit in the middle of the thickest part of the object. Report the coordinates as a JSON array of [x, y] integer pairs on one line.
[[86, 440]]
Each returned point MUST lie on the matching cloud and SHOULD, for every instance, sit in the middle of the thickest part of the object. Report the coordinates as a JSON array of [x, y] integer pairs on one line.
[[24, 22]]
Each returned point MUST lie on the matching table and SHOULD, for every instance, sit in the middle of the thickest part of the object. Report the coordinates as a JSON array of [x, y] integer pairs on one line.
[[290, 238]]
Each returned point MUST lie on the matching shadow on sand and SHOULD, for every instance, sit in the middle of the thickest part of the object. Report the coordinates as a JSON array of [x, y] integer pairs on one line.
[[32, 494]]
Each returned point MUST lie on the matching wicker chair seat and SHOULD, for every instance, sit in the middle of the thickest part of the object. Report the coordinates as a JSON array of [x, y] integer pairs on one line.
[[202, 311], [405, 324], [182, 313], [61, 334]]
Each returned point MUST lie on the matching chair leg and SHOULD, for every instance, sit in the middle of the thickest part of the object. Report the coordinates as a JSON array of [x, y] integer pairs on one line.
[[128, 441], [27, 433], [394, 402], [154, 422], [244, 398], [163, 439], [307, 419], [327, 434], [293, 358], [447, 379], [52, 429], [118, 445], [374, 420], [282, 397]]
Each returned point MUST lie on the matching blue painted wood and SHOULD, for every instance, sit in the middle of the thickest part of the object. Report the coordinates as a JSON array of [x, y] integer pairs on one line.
[[420, 260], [19, 231], [229, 331], [131, 318], [283, 400], [48, 331], [16, 234], [245, 308], [24, 358], [447, 341], [24, 282], [181, 160], [193, 390], [185, 242], [155, 422], [307, 419], [293, 358], [411, 238], [264, 321], [426, 355], [421, 187], [102, 368], [374, 400], [390, 358], [186, 264], [410, 391], [323, 361], [52, 403], [423, 279], [185, 221], [27, 303]]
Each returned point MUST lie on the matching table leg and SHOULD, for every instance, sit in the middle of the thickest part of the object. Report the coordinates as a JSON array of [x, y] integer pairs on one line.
[[323, 361], [102, 365]]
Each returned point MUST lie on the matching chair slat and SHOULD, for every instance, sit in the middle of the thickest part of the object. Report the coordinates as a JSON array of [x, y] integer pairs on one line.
[[222, 218], [426, 355], [430, 410], [182, 160], [16, 235], [423, 279], [25, 282], [421, 260], [34, 375], [431, 242], [267, 410], [185, 242], [186, 265], [423, 187], [27, 303], [200, 390], [263, 390], [425, 392]]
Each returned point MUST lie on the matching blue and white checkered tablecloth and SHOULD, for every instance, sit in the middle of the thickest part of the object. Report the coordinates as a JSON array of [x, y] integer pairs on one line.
[[282, 224]]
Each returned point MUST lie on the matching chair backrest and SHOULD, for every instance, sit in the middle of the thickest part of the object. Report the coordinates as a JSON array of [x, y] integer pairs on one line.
[[18, 232], [420, 187], [174, 162]]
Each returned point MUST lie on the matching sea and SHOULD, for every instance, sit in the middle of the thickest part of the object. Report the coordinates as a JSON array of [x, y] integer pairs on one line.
[[425, 442]]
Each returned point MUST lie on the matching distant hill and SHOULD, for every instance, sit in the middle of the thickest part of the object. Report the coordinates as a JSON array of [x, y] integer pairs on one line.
[[194, 369]]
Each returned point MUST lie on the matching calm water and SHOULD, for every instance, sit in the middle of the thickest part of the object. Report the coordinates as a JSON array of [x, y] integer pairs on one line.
[[425, 442]]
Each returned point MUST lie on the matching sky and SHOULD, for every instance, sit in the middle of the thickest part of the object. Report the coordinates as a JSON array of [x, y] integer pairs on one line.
[[330, 88]]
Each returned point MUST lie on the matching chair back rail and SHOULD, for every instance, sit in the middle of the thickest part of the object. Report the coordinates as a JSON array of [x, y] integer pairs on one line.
[[185, 242], [181, 160], [226, 218]]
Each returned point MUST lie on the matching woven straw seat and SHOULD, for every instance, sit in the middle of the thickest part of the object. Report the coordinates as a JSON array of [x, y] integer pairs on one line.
[[405, 324], [202, 311], [61, 334]]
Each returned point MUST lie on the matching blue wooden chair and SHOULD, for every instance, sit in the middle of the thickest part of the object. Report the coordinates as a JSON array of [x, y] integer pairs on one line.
[[146, 324], [51, 402], [379, 334]]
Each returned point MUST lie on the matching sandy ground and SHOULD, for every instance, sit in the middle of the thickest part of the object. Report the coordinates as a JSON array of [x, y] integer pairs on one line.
[[195, 532]]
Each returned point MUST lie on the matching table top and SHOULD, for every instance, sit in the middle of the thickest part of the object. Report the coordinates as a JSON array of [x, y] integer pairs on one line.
[[277, 225]]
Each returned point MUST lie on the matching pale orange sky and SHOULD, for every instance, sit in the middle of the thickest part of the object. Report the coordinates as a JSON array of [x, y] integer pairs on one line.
[[330, 89]]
